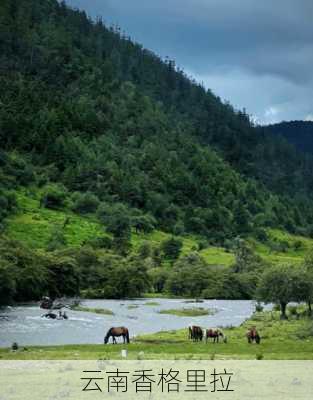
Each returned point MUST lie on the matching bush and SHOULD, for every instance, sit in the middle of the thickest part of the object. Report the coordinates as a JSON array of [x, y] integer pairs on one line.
[[7, 283], [57, 239], [298, 245], [143, 223], [171, 248], [293, 311], [203, 244], [179, 228], [259, 307], [101, 243], [85, 203], [54, 197], [145, 250], [7, 203], [261, 235]]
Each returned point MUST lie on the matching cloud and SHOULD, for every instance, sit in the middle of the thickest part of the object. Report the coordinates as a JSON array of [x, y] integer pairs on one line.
[[267, 98], [257, 55]]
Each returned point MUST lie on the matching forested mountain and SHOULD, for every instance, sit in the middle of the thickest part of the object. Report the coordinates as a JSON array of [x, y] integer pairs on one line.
[[95, 124], [95, 111], [298, 133]]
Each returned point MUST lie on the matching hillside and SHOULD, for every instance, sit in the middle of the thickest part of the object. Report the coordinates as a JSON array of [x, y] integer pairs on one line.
[[298, 133], [34, 226], [120, 175]]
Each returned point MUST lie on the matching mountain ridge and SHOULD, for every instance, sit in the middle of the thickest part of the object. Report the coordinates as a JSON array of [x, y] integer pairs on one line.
[[297, 132]]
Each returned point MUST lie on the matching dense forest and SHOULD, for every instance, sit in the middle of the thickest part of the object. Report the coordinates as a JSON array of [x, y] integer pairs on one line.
[[98, 125]]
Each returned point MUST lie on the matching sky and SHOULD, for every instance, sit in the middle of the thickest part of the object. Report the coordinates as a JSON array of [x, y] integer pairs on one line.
[[257, 55]]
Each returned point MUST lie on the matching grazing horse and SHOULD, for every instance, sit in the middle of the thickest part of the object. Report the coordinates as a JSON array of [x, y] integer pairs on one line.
[[215, 335], [253, 336], [195, 333], [116, 332]]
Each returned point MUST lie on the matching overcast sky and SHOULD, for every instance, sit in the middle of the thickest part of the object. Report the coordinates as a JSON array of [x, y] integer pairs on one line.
[[255, 54]]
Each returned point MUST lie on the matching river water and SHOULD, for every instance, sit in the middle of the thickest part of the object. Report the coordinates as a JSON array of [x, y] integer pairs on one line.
[[24, 325]]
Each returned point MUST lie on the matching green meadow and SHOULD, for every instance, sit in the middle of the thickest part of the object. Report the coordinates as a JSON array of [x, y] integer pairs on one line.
[[281, 340]]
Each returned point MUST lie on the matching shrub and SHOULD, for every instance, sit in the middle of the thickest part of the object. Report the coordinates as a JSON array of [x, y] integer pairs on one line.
[[54, 197], [203, 244], [293, 311], [259, 307], [7, 203], [101, 243], [261, 235], [171, 248], [298, 245], [85, 203], [179, 228]]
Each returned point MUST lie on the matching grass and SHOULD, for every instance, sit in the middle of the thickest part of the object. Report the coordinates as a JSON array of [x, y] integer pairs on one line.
[[34, 226], [281, 340], [292, 254], [152, 303], [189, 312], [102, 311]]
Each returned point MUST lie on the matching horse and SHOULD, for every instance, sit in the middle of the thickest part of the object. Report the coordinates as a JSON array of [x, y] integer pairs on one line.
[[46, 303], [195, 333], [215, 335], [253, 336], [116, 332], [49, 315]]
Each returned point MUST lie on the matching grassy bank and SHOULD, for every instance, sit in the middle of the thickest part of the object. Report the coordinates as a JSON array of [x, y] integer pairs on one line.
[[103, 311], [281, 340], [189, 312]]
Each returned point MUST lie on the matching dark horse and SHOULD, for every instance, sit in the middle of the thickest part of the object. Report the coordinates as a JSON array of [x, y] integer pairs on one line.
[[116, 332], [253, 336], [195, 333], [49, 315], [214, 334]]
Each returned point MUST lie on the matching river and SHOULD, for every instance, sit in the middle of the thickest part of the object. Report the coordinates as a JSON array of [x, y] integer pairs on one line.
[[23, 324]]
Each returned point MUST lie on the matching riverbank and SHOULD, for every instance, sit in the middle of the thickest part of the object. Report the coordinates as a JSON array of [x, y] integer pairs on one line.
[[103, 311], [281, 340]]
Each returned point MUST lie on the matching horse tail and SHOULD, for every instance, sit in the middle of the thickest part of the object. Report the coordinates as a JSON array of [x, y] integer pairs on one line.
[[127, 335]]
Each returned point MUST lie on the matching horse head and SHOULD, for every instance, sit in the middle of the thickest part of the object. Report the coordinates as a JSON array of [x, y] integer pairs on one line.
[[107, 336]]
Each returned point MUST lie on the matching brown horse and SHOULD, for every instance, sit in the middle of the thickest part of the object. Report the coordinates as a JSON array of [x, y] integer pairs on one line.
[[215, 335], [195, 333], [116, 332], [253, 336]]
